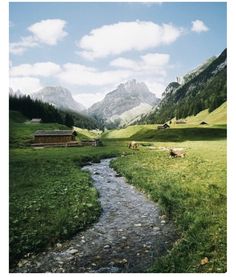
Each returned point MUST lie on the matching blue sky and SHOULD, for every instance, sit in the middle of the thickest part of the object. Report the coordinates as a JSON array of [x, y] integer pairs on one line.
[[90, 48]]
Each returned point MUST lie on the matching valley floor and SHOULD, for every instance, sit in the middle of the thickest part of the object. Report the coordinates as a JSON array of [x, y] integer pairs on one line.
[[128, 237], [51, 199]]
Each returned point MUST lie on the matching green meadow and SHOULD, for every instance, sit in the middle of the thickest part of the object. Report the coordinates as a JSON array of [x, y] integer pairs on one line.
[[51, 198]]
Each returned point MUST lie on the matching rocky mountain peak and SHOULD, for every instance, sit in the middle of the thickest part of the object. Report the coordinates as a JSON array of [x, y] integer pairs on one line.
[[59, 97]]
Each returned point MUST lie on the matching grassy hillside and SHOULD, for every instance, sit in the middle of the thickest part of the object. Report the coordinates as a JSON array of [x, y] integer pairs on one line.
[[21, 130], [177, 132], [126, 132], [218, 116], [87, 134], [190, 191]]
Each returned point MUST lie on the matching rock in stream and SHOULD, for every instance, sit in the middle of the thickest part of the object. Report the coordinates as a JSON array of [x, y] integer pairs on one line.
[[128, 237]]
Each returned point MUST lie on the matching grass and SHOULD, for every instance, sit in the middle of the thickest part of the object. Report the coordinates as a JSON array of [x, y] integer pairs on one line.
[[218, 116], [87, 134], [21, 130], [192, 192], [51, 198]]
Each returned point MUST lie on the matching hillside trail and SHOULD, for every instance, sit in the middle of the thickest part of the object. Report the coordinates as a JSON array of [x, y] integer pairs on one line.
[[128, 237]]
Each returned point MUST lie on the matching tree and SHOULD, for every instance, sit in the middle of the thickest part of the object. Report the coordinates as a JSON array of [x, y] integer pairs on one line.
[[69, 121]]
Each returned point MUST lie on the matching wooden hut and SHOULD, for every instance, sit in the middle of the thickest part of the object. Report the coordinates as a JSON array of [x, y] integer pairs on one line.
[[36, 120], [53, 136], [164, 126]]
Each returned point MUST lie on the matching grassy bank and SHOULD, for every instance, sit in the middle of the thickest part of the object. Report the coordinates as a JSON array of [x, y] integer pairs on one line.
[[192, 191], [50, 197]]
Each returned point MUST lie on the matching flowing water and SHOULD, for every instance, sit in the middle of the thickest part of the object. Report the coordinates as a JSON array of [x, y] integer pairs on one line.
[[128, 237]]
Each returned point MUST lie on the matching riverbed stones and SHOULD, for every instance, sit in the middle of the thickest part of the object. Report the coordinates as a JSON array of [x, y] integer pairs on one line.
[[107, 246], [72, 251], [126, 213]]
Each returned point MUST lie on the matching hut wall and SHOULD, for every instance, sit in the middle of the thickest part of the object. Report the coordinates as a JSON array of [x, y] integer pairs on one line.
[[52, 139]]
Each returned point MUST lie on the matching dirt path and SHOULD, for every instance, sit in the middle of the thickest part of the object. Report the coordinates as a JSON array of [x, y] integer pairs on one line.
[[128, 237]]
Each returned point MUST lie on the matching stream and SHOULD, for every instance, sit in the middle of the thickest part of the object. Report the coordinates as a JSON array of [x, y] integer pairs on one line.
[[128, 237]]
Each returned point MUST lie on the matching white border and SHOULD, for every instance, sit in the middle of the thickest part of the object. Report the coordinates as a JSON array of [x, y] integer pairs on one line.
[[4, 85]]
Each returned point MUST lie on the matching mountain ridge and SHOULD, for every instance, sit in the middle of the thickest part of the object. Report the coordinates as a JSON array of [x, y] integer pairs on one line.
[[127, 96], [206, 90]]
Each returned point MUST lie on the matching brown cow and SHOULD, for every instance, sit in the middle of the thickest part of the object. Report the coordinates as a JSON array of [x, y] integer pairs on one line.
[[133, 145], [177, 152]]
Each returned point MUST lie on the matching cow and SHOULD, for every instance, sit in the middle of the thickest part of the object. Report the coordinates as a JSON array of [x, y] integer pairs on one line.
[[177, 152], [133, 145]]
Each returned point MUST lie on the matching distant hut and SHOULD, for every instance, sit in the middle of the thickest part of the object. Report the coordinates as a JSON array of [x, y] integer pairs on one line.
[[180, 121], [53, 136], [36, 120], [164, 126], [203, 123]]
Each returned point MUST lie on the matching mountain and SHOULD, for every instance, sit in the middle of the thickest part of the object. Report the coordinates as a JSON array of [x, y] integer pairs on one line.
[[196, 71], [17, 92], [59, 97], [124, 104], [203, 88]]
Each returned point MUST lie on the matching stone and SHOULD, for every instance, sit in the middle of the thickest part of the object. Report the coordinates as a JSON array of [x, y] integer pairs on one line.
[[22, 262], [156, 228], [163, 222], [137, 225], [59, 245], [124, 238], [107, 246], [124, 261], [72, 251]]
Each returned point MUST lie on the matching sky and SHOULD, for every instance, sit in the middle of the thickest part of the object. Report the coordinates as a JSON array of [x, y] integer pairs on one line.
[[90, 48]]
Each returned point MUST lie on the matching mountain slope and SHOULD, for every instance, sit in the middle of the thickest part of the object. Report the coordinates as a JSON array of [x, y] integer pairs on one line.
[[59, 97], [206, 90], [125, 103]]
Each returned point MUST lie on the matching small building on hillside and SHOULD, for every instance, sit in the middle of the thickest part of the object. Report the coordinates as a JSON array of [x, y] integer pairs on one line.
[[36, 120], [180, 121], [53, 136], [164, 126]]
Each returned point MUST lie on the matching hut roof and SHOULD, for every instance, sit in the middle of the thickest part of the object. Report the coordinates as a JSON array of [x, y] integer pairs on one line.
[[53, 133], [36, 120]]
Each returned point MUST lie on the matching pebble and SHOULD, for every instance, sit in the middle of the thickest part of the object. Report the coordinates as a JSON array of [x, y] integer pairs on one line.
[[124, 261], [156, 228], [124, 238], [72, 251], [22, 262], [137, 225], [59, 245], [163, 222], [107, 246]]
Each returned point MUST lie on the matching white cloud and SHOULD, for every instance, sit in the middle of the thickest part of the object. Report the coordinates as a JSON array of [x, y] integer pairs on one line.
[[26, 85], [151, 63], [76, 74], [156, 87], [20, 47], [125, 36], [47, 32], [88, 99], [199, 26], [38, 69]]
